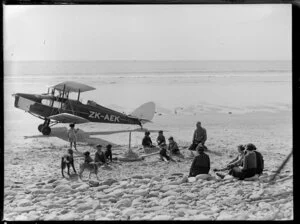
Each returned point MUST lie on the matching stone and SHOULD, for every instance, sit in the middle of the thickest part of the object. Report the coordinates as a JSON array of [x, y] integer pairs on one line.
[[102, 187], [42, 191], [169, 193], [189, 196], [200, 217], [116, 193], [123, 203], [21, 218], [162, 217], [254, 178], [202, 176], [141, 192], [156, 178], [184, 180], [51, 216], [84, 207], [68, 216], [93, 183], [137, 177], [83, 187], [63, 188], [51, 181], [191, 179], [128, 211], [225, 216], [24, 203], [239, 192], [108, 182], [148, 176]]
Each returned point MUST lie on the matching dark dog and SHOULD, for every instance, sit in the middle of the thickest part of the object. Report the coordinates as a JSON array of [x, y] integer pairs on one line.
[[88, 164], [92, 167], [67, 161]]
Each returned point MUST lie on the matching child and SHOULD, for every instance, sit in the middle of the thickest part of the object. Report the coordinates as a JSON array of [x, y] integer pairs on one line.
[[173, 148], [72, 136], [160, 139], [163, 154], [147, 142]]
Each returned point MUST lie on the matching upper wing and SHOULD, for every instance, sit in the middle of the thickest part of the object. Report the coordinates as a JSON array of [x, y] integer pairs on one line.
[[68, 118]]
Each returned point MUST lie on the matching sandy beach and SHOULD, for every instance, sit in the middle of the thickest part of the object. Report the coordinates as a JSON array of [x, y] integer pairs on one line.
[[234, 109]]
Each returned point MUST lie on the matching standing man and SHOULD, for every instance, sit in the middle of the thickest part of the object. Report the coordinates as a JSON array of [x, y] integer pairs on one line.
[[199, 136]]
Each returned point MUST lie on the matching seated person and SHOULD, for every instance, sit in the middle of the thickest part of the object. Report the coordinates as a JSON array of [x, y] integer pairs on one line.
[[201, 163], [88, 163], [238, 161], [163, 153], [259, 162], [161, 138], [100, 157], [200, 136], [173, 148], [249, 164], [147, 142], [108, 152]]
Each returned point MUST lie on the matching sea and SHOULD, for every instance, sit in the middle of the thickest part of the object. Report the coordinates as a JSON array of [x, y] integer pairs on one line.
[[172, 85]]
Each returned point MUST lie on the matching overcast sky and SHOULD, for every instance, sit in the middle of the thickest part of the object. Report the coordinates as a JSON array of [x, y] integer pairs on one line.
[[147, 32]]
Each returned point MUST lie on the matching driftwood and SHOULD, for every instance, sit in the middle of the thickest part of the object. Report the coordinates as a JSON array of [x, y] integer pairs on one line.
[[281, 166], [283, 194]]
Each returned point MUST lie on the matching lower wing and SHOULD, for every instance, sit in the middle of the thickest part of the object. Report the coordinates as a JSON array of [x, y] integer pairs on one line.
[[68, 118]]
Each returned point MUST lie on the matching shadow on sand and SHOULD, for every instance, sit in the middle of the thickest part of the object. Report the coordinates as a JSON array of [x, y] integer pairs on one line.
[[85, 137]]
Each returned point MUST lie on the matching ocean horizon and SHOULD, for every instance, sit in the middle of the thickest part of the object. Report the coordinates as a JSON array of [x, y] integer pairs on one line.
[[68, 68]]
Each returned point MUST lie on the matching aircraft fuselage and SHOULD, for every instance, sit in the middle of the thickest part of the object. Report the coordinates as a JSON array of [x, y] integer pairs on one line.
[[45, 106]]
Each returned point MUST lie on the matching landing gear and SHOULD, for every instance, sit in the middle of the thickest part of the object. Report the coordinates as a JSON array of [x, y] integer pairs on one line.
[[40, 127], [46, 131], [44, 128]]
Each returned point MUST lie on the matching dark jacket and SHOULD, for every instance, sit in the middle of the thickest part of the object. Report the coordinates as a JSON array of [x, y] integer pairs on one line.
[[200, 135], [160, 140], [259, 162], [147, 141], [100, 157], [249, 161], [173, 148], [200, 165]]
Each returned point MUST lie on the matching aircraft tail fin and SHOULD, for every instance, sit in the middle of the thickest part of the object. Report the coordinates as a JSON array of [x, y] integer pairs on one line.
[[145, 112]]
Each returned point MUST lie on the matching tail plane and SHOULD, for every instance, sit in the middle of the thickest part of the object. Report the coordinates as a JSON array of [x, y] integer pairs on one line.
[[145, 112]]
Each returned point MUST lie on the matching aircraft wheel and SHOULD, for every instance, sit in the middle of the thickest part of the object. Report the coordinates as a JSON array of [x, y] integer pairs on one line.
[[46, 131], [40, 127]]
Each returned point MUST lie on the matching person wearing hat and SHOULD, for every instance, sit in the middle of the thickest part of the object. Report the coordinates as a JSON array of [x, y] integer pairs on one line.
[[201, 162], [200, 136], [147, 142], [108, 152], [100, 157]]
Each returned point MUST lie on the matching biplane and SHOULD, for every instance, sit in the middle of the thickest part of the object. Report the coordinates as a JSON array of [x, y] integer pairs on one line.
[[55, 107]]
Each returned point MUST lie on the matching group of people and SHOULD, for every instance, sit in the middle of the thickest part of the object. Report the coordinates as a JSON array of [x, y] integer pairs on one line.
[[248, 162], [166, 151]]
